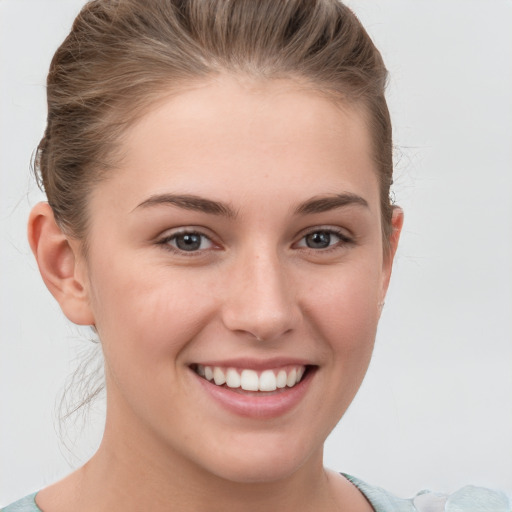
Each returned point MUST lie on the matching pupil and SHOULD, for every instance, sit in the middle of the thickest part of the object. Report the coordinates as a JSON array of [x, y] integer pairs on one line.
[[189, 242], [319, 240]]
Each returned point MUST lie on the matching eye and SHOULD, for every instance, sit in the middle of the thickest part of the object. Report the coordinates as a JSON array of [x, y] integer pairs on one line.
[[189, 241], [319, 240], [323, 239]]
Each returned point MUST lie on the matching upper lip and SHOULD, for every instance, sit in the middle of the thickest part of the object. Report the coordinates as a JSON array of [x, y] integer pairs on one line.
[[256, 364]]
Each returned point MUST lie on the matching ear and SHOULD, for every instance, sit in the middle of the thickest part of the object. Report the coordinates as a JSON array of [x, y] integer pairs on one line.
[[397, 221], [61, 265]]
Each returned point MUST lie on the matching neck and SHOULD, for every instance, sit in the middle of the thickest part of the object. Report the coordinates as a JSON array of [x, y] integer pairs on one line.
[[140, 475], [133, 473]]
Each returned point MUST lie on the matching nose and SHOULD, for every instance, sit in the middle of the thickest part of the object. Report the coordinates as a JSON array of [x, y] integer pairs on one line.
[[261, 299]]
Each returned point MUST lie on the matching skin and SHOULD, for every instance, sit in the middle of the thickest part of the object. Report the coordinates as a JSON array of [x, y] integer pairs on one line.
[[253, 290]]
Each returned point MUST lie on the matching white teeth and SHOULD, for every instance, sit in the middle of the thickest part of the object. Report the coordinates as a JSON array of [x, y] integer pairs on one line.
[[232, 378], [292, 378], [268, 381], [218, 376], [249, 380], [281, 379]]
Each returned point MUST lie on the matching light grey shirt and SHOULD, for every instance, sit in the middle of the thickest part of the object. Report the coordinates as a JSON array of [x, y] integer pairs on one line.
[[467, 499]]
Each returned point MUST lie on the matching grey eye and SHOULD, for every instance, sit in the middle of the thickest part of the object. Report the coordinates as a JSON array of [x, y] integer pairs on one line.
[[190, 242], [324, 239], [320, 239]]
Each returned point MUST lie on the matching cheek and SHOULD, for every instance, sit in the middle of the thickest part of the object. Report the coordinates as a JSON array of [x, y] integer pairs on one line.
[[344, 315], [144, 323], [344, 305], [149, 314]]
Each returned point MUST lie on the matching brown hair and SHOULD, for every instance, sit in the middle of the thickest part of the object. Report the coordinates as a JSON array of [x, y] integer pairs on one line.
[[123, 55]]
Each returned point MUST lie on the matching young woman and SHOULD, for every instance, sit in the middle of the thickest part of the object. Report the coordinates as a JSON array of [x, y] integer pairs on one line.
[[218, 211]]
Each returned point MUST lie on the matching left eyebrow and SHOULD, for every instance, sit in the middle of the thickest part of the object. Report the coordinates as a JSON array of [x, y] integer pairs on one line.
[[324, 204], [189, 202]]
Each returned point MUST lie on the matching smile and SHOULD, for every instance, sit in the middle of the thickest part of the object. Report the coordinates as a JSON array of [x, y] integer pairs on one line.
[[251, 380]]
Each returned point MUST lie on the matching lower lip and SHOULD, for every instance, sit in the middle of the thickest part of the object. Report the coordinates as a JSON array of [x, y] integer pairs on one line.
[[262, 405]]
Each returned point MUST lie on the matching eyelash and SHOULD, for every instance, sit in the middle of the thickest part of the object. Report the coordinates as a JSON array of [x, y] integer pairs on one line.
[[344, 240]]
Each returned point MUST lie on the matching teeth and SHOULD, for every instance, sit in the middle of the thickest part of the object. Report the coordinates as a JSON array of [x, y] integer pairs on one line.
[[249, 380], [292, 378], [281, 379], [233, 378], [268, 381], [218, 376]]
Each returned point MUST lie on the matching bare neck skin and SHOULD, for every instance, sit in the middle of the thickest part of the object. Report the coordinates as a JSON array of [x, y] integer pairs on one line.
[[127, 477]]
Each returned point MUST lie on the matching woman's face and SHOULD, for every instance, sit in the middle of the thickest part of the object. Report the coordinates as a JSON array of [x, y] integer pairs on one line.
[[241, 237]]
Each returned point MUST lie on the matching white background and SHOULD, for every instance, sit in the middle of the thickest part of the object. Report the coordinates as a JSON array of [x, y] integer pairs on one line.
[[436, 408]]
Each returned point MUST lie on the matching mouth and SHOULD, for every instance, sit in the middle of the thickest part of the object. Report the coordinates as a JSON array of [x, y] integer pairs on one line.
[[250, 380]]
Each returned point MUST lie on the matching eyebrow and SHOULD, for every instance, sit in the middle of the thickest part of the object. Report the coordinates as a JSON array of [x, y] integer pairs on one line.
[[324, 204], [189, 202], [201, 204]]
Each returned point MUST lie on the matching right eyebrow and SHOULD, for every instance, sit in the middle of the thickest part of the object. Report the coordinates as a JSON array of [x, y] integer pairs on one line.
[[189, 202], [331, 202]]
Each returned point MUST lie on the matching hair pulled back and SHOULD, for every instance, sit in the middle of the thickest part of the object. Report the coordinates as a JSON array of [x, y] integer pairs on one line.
[[123, 55]]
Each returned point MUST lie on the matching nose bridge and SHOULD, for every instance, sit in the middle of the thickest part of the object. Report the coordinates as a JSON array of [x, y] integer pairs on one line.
[[261, 299]]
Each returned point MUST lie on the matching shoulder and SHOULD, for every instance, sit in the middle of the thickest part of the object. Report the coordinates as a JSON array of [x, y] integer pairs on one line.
[[467, 499], [26, 504]]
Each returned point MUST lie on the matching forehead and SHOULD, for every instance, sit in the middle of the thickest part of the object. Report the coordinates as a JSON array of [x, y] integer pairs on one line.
[[242, 137]]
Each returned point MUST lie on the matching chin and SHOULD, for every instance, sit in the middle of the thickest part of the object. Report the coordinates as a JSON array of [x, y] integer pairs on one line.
[[251, 473], [263, 464]]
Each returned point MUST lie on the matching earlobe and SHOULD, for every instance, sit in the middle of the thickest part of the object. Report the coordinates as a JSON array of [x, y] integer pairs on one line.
[[58, 264]]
